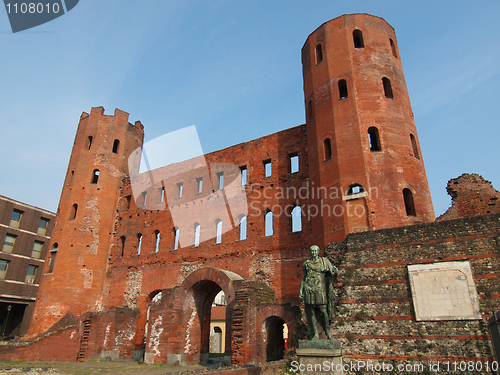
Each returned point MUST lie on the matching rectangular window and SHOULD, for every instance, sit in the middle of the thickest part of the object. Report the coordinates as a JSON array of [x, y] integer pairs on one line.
[[4, 264], [294, 163], [179, 186], [199, 183], [37, 250], [16, 218], [144, 198], [162, 194], [8, 243], [52, 259], [220, 179], [42, 226], [31, 274], [243, 171], [267, 168]]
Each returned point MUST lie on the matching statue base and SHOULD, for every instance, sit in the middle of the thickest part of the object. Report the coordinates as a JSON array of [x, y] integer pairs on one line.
[[320, 357]]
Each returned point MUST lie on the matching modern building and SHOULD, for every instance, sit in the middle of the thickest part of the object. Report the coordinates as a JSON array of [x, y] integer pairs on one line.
[[25, 231]]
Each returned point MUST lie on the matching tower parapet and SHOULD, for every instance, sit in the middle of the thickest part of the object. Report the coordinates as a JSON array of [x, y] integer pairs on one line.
[[362, 140], [76, 268]]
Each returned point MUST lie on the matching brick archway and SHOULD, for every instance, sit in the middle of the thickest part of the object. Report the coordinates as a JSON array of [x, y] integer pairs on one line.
[[197, 293]]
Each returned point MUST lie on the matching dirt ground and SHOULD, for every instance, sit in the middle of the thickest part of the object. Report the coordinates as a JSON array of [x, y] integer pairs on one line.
[[96, 368]]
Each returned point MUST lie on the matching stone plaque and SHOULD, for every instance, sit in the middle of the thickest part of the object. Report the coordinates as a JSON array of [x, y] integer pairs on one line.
[[443, 291]]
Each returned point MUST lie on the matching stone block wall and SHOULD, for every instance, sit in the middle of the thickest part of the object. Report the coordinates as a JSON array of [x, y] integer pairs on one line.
[[375, 311]]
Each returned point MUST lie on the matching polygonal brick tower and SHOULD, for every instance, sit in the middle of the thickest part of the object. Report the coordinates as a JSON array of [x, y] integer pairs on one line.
[[76, 268], [365, 164]]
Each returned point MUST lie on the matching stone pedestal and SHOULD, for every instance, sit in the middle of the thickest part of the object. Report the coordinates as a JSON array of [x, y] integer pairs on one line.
[[320, 357]]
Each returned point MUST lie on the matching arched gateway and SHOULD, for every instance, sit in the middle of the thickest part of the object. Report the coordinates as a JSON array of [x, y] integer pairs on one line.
[[179, 319]]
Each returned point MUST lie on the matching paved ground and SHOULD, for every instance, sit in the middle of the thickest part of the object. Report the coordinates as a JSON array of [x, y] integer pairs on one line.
[[95, 368]]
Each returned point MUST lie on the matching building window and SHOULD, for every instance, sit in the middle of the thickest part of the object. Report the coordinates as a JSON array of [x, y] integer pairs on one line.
[[393, 48], [374, 139], [177, 233], [52, 259], [387, 88], [268, 169], [88, 145], [343, 89], [122, 245], [218, 231], [319, 53], [294, 163], [116, 143], [95, 176], [37, 250], [157, 241], [139, 243], [197, 232], [31, 274], [414, 146], [128, 198], [15, 219], [327, 149], [179, 187], [74, 209], [4, 264], [8, 243], [161, 191], [199, 183], [144, 198], [243, 228], [357, 36], [243, 172], [409, 204], [43, 224], [269, 231], [355, 189], [296, 219], [220, 180]]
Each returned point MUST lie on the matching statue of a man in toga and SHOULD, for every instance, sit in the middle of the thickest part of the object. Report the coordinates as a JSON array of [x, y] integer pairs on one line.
[[316, 290]]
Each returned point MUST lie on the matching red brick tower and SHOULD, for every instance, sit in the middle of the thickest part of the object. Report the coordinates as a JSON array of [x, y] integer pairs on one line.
[[76, 266], [365, 164]]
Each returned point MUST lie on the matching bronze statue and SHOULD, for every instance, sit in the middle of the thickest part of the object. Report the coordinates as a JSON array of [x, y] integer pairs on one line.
[[316, 289]]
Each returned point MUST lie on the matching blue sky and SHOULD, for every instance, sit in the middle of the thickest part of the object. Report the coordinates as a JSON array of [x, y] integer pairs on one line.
[[233, 69]]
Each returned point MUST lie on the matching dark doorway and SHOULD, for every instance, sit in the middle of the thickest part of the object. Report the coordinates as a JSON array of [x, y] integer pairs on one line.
[[11, 317], [275, 341]]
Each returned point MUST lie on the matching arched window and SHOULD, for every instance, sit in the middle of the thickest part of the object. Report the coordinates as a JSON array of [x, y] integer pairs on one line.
[[296, 219], [122, 245], [52, 259], [157, 240], [393, 48], [116, 143], [74, 209], [355, 189], [177, 233], [343, 89], [327, 148], [243, 228], [319, 53], [139, 243], [218, 231], [88, 145], [409, 204], [374, 139], [357, 36], [95, 176], [269, 231], [197, 232], [387, 88], [414, 146]]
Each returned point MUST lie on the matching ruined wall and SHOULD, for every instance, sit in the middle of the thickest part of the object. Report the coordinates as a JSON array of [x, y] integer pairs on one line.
[[471, 195], [376, 314]]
